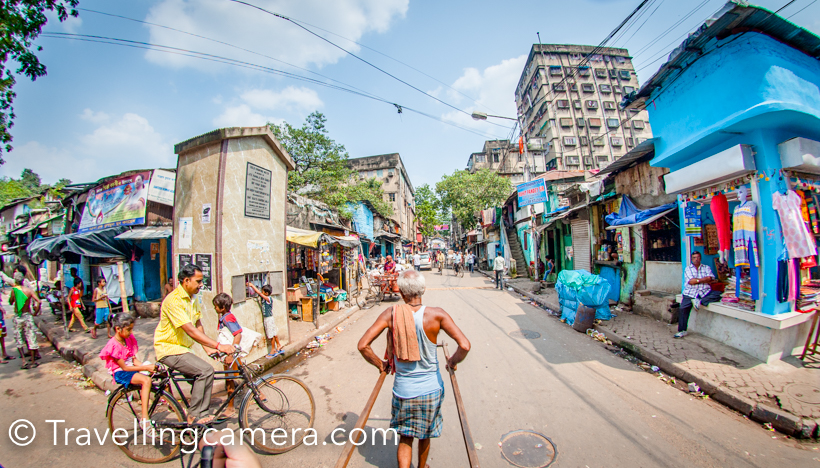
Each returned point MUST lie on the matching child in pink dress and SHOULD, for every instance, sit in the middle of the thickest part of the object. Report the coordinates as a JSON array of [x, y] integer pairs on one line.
[[119, 355]]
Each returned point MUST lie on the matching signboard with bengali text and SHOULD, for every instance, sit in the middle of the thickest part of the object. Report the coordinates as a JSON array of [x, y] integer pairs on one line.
[[530, 193], [119, 202]]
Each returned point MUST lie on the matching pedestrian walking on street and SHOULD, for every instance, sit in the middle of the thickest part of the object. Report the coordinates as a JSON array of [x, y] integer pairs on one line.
[[75, 301], [4, 357], [470, 259], [418, 390], [499, 266], [696, 291], [25, 304], [417, 261]]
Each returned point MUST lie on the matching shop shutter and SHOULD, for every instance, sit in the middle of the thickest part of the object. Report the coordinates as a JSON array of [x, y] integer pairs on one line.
[[580, 244]]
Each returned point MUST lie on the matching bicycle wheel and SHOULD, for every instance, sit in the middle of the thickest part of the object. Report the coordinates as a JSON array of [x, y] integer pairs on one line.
[[286, 407], [124, 409]]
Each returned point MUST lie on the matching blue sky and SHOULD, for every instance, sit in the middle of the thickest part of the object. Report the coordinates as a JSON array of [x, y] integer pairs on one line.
[[105, 109]]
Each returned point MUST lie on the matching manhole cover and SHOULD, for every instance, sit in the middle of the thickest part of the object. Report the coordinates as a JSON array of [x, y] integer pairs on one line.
[[803, 393], [528, 449], [528, 334]]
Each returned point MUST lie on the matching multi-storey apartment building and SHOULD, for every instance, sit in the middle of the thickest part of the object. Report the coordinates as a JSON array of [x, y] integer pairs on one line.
[[398, 190], [503, 157], [569, 106]]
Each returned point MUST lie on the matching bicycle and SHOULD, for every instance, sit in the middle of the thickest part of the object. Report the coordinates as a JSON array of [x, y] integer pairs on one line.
[[372, 296], [268, 403]]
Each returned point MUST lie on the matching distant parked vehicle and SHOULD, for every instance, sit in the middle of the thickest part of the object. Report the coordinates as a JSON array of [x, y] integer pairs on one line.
[[426, 264]]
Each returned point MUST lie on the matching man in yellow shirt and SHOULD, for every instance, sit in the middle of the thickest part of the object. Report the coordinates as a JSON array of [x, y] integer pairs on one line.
[[178, 329]]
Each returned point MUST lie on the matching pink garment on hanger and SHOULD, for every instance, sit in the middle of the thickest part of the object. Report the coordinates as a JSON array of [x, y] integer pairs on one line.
[[799, 241], [720, 211]]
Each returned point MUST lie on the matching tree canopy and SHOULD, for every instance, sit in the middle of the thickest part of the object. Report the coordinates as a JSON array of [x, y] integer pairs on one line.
[[21, 21], [28, 185], [322, 171], [428, 212], [464, 194]]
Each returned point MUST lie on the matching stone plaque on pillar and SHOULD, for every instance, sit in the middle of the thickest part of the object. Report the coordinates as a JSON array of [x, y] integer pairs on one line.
[[257, 192]]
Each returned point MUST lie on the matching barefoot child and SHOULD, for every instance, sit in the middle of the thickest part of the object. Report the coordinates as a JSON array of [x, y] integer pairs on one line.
[[222, 303], [103, 307], [75, 301], [119, 355], [267, 316]]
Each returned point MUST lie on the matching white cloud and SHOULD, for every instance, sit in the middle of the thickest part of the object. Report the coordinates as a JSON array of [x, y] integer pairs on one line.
[[304, 100], [240, 116], [258, 102], [71, 25], [493, 90], [242, 25], [94, 117], [114, 146]]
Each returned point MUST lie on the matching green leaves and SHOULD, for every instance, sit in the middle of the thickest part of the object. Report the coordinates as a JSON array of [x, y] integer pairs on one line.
[[21, 22], [428, 212], [322, 171], [28, 185], [465, 194]]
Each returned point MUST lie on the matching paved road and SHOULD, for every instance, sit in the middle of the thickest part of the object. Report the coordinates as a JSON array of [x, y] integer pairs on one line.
[[597, 408]]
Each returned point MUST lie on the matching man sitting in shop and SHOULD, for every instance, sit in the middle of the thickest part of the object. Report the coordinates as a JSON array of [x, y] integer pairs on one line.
[[696, 291]]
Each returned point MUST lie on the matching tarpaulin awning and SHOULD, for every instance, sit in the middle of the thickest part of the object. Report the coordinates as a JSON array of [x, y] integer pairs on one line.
[[303, 237], [645, 221], [311, 239], [629, 215], [386, 235], [101, 244], [157, 232]]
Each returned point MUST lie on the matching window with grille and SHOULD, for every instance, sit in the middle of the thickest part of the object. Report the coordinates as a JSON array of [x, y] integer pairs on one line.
[[617, 141], [612, 123], [613, 73], [588, 160], [559, 87], [592, 104], [598, 141], [580, 121], [594, 122], [569, 141], [605, 88], [566, 122], [495, 157], [392, 196], [600, 72], [555, 71], [573, 160], [609, 105], [584, 141], [625, 75], [637, 124], [616, 89], [576, 104], [603, 159], [573, 87], [563, 104], [630, 142], [588, 88], [628, 89]]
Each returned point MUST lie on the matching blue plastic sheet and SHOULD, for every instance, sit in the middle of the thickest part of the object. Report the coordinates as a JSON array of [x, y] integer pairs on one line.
[[578, 286], [628, 213]]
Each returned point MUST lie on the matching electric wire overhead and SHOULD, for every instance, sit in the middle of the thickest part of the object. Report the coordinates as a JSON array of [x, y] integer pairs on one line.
[[283, 17], [247, 65]]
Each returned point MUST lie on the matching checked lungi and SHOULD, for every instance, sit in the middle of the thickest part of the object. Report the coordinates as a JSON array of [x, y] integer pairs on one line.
[[418, 417]]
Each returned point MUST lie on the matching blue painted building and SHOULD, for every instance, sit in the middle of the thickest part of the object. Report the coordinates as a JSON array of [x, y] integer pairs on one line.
[[738, 105]]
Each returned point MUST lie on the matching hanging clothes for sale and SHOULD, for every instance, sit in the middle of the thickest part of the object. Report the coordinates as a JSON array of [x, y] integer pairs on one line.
[[799, 241], [745, 235], [720, 211]]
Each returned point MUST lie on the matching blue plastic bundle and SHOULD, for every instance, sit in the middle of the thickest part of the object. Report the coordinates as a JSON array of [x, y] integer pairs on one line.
[[576, 286]]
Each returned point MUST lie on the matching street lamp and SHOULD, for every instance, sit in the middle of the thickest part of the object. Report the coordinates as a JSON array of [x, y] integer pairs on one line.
[[483, 116]]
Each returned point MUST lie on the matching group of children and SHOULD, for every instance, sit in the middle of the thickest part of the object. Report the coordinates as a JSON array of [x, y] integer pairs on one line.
[[119, 354]]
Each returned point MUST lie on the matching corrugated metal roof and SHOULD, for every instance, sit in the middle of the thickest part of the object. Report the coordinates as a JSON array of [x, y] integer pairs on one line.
[[643, 151]]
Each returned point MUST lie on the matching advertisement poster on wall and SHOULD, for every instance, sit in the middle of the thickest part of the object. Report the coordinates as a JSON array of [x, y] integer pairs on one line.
[[530, 193], [119, 202]]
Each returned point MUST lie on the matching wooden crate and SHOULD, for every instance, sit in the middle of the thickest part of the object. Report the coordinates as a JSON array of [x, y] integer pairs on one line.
[[307, 309]]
